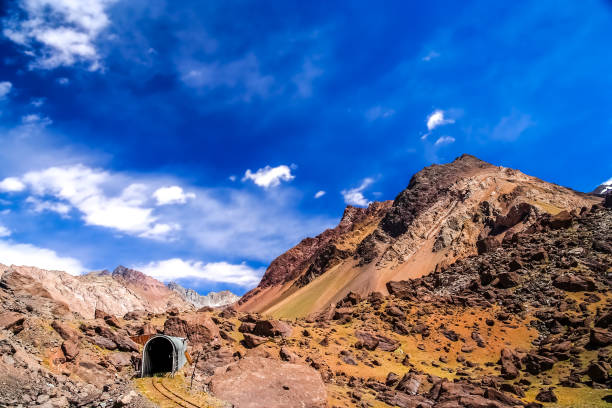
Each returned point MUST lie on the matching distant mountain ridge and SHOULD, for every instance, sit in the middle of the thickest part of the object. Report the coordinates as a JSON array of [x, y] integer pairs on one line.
[[212, 299], [124, 290]]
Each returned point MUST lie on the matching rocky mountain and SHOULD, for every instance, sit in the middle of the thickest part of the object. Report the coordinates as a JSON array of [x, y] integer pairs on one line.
[[124, 290], [212, 299], [447, 213], [525, 322], [604, 188]]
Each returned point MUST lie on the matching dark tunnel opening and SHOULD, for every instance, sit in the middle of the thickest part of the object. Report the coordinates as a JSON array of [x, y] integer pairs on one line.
[[159, 355]]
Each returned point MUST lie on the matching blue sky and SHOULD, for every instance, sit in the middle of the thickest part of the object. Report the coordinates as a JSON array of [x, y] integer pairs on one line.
[[199, 140]]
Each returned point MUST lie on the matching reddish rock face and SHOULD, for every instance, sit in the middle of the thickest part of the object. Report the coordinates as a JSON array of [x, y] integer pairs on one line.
[[255, 382], [320, 249], [198, 328]]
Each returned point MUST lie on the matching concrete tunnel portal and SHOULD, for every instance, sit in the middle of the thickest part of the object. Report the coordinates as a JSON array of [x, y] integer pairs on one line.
[[163, 354]]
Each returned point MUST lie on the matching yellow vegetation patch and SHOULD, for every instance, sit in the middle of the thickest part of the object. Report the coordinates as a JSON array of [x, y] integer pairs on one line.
[[176, 384]]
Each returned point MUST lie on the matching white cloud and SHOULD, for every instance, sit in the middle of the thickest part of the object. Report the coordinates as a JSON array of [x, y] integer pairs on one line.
[[4, 232], [5, 88], [431, 55], [29, 255], [354, 196], [444, 140], [319, 194], [512, 126], [39, 206], [83, 188], [63, 81], [243, 74], [437, 118], [172, 195], [36, 119], [232, 178], [58, 32], [243, 224], [378, 112], [176, 268], [269, 176], [38, 102], [303, 81], [11, 184]]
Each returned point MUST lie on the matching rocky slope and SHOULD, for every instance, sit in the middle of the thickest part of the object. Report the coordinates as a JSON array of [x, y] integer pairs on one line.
[[526, 323], [447, 212], [212, 299], [116, 293]]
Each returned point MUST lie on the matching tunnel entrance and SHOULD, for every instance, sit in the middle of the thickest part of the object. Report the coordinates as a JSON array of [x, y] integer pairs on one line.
[[161, 355]]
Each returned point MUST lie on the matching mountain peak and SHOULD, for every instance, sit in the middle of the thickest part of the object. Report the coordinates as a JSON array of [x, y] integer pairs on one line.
[[439, 218]]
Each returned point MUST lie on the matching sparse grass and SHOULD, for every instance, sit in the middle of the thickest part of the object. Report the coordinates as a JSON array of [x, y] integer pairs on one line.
[[306, 299], [547, 207], [179, 385], [573, 397]]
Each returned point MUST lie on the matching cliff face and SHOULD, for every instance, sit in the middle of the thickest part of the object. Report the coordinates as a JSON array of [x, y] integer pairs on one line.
[[446, 213], [212, 299], [123, 291]]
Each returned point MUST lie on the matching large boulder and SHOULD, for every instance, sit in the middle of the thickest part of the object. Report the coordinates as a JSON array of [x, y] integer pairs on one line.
[[272, 328], [255, 382], [401, 289], [198, 328], [516, 214], [561, 220], [600, 338], [10, 319], [70, 348], [573, 283], [506, 280], [66, 332], [371, 341], [510, 364]]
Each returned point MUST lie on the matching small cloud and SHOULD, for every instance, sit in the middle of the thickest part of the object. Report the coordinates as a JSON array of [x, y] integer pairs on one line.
[[35, 119], [437, 118], [243, 75], [319, 194], [269, 176], [303, 81], [432, 55], [11, 185], [63, 81], [444, 140], [4, 232], [378, 112], [5, 88], [38, 102], [172, 195], [354, 196], [176, 268], [512, 126], [232, 178], [160, 231]]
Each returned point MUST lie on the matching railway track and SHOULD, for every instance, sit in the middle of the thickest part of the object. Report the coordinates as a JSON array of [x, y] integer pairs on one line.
[[168, 394]]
